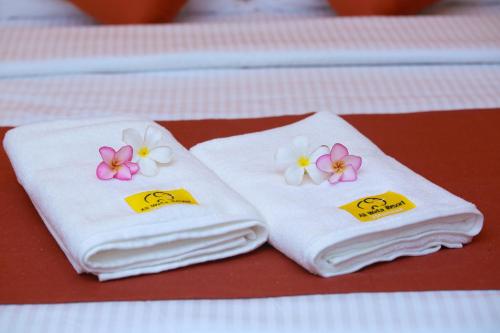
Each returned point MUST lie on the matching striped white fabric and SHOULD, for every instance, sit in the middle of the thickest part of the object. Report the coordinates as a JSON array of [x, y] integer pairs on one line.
[[284, 43], [251, 93], [443, 32], [291, 88], [453, 311]]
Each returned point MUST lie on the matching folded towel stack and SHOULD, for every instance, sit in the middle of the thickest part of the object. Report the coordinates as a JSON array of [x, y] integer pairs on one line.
[[388, 212], [96, 227]]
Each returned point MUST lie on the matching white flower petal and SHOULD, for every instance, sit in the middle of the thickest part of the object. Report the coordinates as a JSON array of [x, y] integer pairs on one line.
[[285, 157], [301, 143], [294, 175], [316, 174], [153, 136], [164, 141], [161, 154], [334, 178], [148, 167], [321, 150], [132, 137]]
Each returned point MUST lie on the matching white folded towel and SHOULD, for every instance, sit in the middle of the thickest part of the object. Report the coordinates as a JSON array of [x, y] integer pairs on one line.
[[93, 224], [307, 222]]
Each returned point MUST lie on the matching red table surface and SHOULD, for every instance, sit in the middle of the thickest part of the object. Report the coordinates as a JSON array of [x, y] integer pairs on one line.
[[458, 150]]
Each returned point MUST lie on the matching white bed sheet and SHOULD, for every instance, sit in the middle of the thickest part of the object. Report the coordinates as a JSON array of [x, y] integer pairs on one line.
[[377, 65], [444, 311], [468, 81], [251, 93], [318, 42]]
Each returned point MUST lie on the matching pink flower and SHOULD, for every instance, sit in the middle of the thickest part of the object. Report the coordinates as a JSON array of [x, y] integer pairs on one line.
[[342, 166], [116, 164]]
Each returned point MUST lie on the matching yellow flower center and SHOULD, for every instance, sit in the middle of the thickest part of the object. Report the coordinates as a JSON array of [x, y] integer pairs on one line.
[[114, 166], [303, 161], [338, 166], [143, 152]]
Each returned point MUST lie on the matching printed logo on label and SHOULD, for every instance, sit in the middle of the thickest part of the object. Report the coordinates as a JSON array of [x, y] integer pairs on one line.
[[374, 207], [151, 200]]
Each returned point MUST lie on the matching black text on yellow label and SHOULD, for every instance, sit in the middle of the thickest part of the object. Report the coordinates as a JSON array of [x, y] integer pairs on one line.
[[146, 201], [377, 206]]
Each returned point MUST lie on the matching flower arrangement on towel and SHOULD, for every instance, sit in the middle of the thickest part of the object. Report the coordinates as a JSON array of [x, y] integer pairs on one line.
[[320, 164], [143, 153]]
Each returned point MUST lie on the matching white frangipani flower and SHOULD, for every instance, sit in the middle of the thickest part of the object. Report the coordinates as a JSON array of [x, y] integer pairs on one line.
[[297, 159], [150, 150]]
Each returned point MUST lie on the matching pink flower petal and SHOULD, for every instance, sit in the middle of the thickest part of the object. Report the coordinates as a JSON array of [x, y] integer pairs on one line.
[[334, 178], [107, 154], [353, 160], [324, 163], [134, 167], [339, 151], [124, 155], [104, 171], [349, 174], [123, 173]]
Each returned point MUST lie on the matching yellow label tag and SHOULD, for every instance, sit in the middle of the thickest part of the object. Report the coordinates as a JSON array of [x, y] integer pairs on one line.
[[374, 207], [150, 200]]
